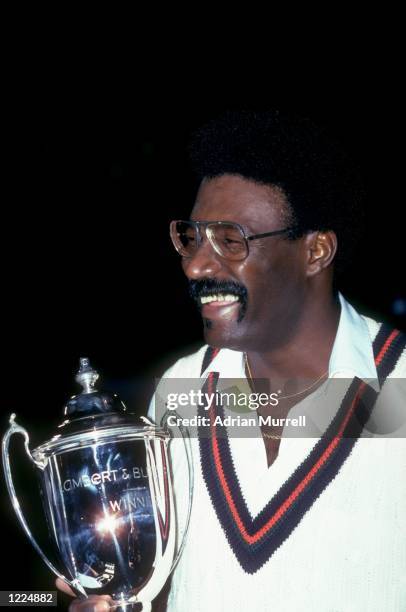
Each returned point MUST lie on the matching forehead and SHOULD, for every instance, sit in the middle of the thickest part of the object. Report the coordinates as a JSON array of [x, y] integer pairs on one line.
[[234, 198]]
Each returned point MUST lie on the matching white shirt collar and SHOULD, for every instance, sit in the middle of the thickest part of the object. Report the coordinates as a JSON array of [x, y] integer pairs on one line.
[[352, 353]]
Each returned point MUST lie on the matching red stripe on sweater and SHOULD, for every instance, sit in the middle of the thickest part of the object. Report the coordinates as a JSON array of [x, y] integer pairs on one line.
[[385, 347]]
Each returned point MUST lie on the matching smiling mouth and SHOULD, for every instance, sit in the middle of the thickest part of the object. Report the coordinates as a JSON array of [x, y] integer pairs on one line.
[[218, 306], [219, 299]]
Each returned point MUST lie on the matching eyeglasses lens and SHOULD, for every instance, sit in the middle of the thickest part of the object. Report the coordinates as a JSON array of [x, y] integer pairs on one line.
[[226, 238]]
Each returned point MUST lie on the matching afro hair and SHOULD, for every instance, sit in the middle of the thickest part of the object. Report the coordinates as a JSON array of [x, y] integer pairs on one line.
[[321, 184]]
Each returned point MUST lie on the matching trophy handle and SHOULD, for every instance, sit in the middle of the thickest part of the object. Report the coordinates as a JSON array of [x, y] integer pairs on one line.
[[13, 429], [187, 444]]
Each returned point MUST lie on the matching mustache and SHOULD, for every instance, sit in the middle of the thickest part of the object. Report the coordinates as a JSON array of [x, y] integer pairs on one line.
[[207, 286]]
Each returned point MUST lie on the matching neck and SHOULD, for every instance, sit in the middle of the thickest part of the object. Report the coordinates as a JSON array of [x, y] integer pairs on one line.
[[306, 353]]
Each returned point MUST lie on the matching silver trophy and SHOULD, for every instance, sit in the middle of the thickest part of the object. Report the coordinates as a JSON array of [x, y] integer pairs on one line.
[[107, 486]]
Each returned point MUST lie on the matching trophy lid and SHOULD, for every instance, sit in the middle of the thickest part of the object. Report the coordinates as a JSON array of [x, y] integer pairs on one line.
[[95, 415], [91, 402]]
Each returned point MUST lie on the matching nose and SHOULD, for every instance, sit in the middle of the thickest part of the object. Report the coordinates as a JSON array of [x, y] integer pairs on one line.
[[205, 263]]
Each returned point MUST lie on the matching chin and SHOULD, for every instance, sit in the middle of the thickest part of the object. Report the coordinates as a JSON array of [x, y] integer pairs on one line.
[[219, 337]]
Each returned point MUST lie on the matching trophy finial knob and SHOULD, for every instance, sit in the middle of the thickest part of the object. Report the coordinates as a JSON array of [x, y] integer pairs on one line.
[[86, 376], [91, 402]]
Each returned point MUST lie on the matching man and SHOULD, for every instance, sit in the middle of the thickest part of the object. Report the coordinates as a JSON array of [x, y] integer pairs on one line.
[[279, 523]]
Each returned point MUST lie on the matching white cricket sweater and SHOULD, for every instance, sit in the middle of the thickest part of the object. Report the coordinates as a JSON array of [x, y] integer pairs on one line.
[[347, 553]]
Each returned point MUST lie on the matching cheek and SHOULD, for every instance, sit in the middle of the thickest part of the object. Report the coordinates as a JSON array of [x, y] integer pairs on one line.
[[274, 281]]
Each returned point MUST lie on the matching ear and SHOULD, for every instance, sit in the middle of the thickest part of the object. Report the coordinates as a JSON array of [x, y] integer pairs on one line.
[[321, 248]]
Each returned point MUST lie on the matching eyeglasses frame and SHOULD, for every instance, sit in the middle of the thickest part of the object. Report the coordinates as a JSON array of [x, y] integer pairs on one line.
[[205, 224]]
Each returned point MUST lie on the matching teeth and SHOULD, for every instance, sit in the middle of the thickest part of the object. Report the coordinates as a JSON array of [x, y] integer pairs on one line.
[[228, 297]]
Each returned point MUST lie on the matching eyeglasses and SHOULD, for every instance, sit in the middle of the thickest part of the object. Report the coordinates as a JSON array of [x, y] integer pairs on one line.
[[227, 239]]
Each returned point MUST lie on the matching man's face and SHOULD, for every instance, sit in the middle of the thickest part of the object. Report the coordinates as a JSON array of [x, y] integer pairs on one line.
[[270, 283]]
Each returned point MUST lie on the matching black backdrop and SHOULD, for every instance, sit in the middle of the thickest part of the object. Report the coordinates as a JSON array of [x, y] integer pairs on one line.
[[88, 268]]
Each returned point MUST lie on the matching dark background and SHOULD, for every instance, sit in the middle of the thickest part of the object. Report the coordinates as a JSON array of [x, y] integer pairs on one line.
[[88, 268]]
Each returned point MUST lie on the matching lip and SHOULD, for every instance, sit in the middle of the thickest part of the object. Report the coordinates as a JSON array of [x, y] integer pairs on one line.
[[216, 311]]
